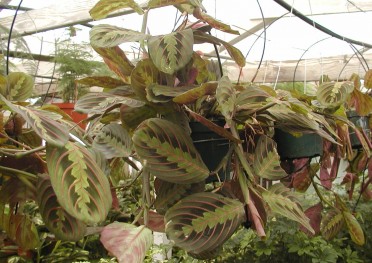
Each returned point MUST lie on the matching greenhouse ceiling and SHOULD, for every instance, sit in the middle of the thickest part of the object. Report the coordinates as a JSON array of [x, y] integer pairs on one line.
[[279, 46]]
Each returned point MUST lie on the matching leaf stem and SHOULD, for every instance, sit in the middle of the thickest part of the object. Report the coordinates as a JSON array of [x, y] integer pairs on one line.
[[319, 193], [12, 170], [146, 195]]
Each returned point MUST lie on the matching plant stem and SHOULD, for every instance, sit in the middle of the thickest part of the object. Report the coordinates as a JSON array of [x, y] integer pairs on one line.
[[23, 154], [319, 193], [146, 195], [29, 175]]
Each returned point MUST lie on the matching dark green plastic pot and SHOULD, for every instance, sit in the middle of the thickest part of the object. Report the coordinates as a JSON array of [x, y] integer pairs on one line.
[[212, 148], [291, 147], [361, 122]]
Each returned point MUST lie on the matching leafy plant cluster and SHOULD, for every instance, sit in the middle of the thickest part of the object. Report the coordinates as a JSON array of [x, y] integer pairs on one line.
[[136, 169]]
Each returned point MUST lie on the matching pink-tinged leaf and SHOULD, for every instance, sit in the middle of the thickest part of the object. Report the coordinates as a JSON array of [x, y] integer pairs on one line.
[[82, 188], [104, 7], [349, 181], [254, 205], [15, 191], [42, 122], [332, 223], [301, 180], [127, 242], [362, 102], [314, 213], [117, 61], [155, 223], [355, 230], [57, 220], [325, 178]]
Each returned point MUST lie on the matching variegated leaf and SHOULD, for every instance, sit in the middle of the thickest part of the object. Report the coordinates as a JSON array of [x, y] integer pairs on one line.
[[267, 160], [42, 122], [127, 242], [355, 230], [168, 152], [132, 117], [144, 74], [16, 190], [80, 185], [252, 98], [19, 228], [333, 94], [18, 86], [99, 103], [167, 194], [117, 61], [281, 201], [173, 51], [203, 221], [106, 82], [226, 97], [114, 141], [192, 95], [104, 7], [331, 224], [57, 220], [106, 36]]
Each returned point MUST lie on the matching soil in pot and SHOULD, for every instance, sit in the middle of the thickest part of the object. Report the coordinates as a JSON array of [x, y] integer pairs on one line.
[[212, 148], [292, 147]]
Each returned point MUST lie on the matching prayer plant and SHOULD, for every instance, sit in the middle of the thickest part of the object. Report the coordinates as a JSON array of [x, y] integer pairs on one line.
[[141, 120]]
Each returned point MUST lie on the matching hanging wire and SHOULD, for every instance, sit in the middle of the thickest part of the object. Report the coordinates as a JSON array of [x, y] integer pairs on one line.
[[318, 26], [362, 57], [257, 38], [298, 61], [264, 44], [10, 36]]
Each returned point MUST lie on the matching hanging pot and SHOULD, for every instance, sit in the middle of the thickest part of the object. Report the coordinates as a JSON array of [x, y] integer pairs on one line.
[[77, 117], [211, 147], [361, 122], [292, 147]]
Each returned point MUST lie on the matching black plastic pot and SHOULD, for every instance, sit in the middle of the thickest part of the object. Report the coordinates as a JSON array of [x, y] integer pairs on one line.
[[291, 147], [361, 122], [212, 148]]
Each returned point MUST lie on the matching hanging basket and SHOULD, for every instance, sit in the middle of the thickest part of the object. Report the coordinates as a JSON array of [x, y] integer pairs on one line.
[[211, 147], [77, 117], [292, 147], [361, 122]]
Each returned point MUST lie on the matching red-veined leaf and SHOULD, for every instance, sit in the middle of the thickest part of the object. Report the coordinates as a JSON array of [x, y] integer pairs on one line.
[[332, 223], [226, 97], [101, 81], [114, 141], [155, 223], [314, 213], [104, 7], [80, 185], [99, 103], [167, 151], [106, 36], [127, 242], [333, 94], [132, 117], [42, 122], [368, 79], [173, 51], [190, 96], [203, 221], [117, 61], [57, 220], [283, 202], [167, 194], [266, 160]]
